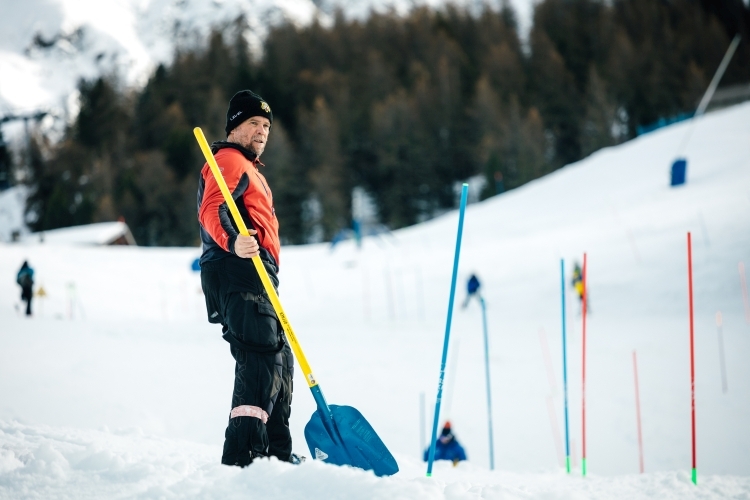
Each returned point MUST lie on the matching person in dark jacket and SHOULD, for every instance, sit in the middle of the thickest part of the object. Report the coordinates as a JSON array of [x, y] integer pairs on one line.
[[472, 289], [25, 279], [235, 298], [447, 447]]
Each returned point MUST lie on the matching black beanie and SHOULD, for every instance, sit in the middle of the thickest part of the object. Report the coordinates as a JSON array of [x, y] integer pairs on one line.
[[243, 105]]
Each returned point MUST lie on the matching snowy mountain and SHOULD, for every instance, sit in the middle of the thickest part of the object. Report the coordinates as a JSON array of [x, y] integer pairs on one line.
[[46, 46], [119, 387]]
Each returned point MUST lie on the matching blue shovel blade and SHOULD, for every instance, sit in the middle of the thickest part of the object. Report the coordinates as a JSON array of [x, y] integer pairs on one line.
[[348, 439]]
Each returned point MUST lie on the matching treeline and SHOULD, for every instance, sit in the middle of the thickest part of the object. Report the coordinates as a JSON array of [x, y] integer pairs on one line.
[[401, 106]]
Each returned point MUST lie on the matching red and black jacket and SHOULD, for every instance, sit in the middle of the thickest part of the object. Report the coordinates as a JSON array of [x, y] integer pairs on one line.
[[254, 199]]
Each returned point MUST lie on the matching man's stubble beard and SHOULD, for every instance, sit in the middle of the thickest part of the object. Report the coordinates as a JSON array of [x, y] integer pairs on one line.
[[250, 144], [254, 147]]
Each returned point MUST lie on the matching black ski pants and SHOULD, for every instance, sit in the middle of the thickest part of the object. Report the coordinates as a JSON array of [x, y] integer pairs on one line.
[[261, 400], [27, 295]]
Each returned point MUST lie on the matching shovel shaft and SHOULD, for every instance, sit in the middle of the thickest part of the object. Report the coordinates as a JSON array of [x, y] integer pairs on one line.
[[323, 409], [267, 285]]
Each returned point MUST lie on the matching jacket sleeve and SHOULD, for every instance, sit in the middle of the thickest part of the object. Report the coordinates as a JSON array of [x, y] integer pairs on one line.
[[214, 214]]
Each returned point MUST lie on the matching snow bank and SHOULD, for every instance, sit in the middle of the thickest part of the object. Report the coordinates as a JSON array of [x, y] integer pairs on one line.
[[45, 462], [121, 342]]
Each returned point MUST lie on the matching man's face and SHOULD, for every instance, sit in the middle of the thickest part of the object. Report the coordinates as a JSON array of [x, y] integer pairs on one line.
[[252, 134]]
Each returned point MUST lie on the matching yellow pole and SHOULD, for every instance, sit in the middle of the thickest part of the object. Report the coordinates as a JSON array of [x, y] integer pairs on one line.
[[296, 347]]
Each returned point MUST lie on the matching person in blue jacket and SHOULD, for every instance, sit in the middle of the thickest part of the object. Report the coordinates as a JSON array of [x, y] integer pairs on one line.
[[25, 279], [472, 289], [447, 447]]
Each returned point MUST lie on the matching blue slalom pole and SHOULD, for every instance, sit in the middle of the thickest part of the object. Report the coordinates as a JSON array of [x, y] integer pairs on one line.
[[462, 210], [565, 366], [487, 374]]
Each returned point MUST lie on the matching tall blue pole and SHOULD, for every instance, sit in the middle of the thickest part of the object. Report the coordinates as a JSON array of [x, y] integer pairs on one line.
[[462, 210], [565, 366], [487, 375]]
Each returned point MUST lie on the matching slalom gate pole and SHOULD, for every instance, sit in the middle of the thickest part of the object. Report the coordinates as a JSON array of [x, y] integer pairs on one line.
[[565, 367], [720, 332], [583, 370], [692, 355], [638, 413], [487, 376], [389, 294], [743, 283], [420, 292], [433, 436], [555, 430], [366, 293], [422, 425], [550, 405]]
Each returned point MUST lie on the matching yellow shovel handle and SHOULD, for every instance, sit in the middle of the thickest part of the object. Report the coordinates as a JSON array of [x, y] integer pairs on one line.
[[296, 347]]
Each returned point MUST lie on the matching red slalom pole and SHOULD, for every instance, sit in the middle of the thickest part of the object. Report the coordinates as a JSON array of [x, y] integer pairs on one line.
[[692, 354], [583, 363], [638, 412]]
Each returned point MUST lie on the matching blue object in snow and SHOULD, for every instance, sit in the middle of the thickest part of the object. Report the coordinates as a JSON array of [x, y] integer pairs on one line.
[[25, 275], [487, 376], [340, 435], [447, 447], [196, 266], [679, 168], [565, 365]]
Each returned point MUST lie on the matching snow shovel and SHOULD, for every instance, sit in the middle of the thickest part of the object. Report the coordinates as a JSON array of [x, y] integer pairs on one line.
[[338, 435]]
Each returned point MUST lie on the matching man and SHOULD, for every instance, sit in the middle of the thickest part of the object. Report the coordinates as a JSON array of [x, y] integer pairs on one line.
[[25, 279], [261, 401]]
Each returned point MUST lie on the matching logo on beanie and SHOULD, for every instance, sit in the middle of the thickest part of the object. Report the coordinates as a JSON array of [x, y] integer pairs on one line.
[[235, 116], [265, 107]]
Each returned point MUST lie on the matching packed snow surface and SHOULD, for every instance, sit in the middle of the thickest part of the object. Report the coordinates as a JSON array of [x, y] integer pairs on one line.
[[119, 387]]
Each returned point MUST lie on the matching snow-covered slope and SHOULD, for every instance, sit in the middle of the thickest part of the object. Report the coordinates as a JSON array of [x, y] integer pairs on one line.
[[119, 386]]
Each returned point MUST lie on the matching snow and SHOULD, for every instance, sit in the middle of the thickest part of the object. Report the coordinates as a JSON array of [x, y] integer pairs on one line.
[[124, 464], [120, 387]]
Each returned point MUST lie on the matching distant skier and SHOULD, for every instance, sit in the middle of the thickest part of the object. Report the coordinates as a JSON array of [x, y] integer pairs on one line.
[[577, 283], [261, 401], [472, 288], [447, 447], [25, 279], [577, 280]]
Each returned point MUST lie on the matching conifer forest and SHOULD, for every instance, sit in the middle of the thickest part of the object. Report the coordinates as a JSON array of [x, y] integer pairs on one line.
[[401, 106]]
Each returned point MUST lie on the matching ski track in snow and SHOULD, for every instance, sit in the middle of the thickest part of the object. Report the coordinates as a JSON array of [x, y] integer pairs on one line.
[[118, 387]]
